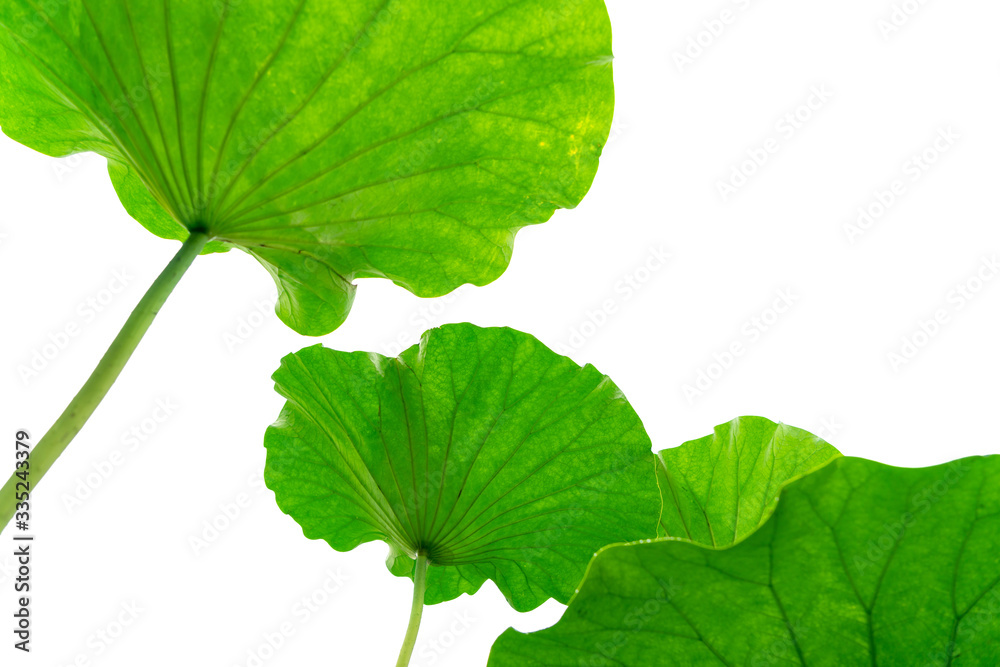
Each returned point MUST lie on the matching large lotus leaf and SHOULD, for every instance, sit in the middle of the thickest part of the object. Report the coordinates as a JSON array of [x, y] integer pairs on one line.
[[718, 489], [482, 448], [402, 139], [861, 564]]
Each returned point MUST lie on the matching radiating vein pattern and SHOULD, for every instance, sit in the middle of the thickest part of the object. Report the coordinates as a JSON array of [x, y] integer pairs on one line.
[[861, 564], [482, 448], [718, 489], [401, 139]]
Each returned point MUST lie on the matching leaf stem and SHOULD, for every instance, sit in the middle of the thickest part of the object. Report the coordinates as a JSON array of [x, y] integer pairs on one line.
[[416, 611], [76, 414]]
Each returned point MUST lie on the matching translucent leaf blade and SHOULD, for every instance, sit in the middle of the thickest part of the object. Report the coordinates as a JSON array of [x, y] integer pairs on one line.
[[481, 447], [860, 564], [400, 139], [718, 489]]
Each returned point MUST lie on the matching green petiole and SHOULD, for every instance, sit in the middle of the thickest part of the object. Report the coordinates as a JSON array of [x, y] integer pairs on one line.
[[76, 414], [416, 611]]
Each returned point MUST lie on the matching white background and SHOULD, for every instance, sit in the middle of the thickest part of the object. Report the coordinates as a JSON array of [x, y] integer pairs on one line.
[[824, 365]]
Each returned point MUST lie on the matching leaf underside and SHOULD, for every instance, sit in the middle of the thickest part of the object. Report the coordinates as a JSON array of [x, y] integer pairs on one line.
[[480, 447], [718, 489], [401, 139], [860, 564]]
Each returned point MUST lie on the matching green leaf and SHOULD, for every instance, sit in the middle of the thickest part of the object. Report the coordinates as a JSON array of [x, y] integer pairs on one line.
[[481, 447], [861, 564], [399, 139], [718, 489]]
